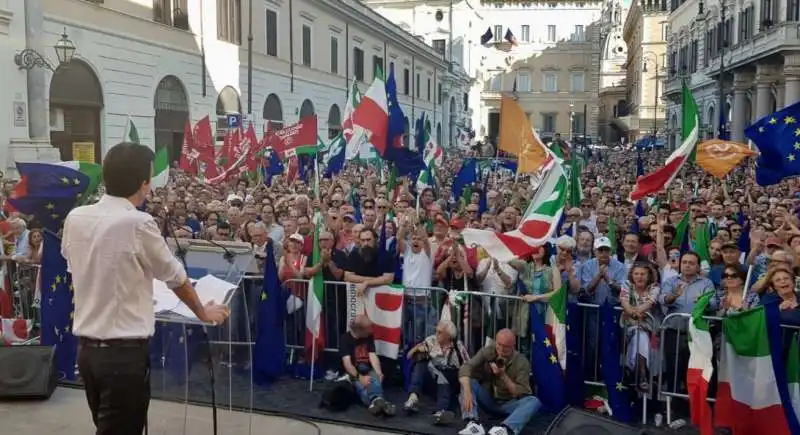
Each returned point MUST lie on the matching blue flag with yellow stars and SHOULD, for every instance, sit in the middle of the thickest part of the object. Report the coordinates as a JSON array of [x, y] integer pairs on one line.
[[48, 211], [575, 375], [777, 137], [58, 307], [545, 365], [48, 192], [618, 395], [270, 348]]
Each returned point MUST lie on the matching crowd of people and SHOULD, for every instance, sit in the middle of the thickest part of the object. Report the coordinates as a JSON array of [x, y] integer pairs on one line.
[[604, 251]]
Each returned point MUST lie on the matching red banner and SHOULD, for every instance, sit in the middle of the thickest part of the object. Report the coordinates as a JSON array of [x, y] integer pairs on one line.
[[294, 136]]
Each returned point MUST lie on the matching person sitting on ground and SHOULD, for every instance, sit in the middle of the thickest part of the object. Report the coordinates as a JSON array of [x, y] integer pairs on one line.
[[497, 379], [359, 360], [439, 357]]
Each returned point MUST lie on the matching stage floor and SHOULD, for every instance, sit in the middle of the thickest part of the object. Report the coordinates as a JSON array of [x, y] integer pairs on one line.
[[66, 413]]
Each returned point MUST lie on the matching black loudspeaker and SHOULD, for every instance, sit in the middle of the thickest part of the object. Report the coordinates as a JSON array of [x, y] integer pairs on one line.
[[573, 421], [27, 372]]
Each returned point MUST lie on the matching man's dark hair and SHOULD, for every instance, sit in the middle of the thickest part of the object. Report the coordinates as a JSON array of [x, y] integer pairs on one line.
[[125, 167], [222, 225]]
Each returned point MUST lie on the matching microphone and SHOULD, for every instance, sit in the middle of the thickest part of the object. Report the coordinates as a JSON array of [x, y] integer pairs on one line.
[[180, 251]]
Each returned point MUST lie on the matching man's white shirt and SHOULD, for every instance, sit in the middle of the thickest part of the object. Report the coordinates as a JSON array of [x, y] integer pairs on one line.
[[114, 252]]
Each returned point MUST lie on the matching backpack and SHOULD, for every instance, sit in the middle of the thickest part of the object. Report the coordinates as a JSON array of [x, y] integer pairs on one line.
[[339, 396]]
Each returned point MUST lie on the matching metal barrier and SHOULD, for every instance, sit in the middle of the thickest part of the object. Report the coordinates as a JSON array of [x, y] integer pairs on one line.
[[20, 299], [674, 350]]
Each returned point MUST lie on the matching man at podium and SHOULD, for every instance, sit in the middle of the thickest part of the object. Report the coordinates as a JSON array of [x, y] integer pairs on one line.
[[114, 252]]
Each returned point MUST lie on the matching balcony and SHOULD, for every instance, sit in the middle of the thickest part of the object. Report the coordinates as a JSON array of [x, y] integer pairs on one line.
[[783, 36]]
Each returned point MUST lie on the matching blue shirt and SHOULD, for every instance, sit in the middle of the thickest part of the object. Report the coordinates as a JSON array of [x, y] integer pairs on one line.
[[685, 303], [589, 270]]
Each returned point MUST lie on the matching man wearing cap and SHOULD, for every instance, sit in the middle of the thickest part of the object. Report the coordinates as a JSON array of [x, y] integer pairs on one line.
[[346, 242], [760, 250], [602, 277]]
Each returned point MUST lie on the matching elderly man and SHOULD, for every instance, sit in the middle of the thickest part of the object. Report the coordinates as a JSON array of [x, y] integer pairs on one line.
[[361, 363], [19, 232], [497, 379], [437, 358]]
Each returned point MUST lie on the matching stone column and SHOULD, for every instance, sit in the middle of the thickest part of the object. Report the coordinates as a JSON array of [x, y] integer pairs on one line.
[[791, 75], [765, 76], [741, 84], [38, 110]]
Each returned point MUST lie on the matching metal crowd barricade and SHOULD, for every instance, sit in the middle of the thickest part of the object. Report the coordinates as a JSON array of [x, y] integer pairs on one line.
[[674, 350], [21, 299], [479, 316]]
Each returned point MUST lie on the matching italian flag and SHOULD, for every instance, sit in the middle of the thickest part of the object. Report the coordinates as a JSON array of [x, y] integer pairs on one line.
[[160, 168], [353, 140], [372, 114], [131, 133], [690, 128], [748, 396], [315, 328], [307, 150], [556, 323], [699, 373], [538, 224]]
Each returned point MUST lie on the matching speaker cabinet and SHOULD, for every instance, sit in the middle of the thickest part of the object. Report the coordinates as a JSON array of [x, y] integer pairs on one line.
[[573, 421], [27, 372]]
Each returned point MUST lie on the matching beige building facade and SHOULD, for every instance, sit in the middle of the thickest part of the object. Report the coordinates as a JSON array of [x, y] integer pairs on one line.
[[645, 33], [613, 94]]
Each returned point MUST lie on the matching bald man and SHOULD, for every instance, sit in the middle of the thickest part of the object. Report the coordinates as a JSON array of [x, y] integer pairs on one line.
[[357, 349], [497, 379]]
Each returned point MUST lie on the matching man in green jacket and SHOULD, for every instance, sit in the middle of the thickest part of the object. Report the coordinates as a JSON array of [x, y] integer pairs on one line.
[[497, 379]]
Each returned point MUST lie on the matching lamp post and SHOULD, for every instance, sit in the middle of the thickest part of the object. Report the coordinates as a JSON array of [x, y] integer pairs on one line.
[[29, 58], [655, 93], [721, 72], [571, 116]]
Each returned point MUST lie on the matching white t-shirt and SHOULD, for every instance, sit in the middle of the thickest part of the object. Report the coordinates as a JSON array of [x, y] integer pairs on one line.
[[417, 272]]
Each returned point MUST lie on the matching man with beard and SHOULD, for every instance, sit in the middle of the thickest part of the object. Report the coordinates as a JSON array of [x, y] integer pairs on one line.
[[363, 266]]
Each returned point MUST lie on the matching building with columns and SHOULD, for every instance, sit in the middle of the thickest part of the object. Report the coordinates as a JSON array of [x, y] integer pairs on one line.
[[613, 93], [645, 32], [160, 63], [753, 46]]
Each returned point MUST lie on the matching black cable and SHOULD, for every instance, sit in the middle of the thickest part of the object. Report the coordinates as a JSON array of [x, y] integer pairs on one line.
[[180, 252]]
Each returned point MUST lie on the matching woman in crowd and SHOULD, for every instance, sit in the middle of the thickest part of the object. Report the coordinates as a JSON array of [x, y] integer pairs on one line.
[[638, 297]]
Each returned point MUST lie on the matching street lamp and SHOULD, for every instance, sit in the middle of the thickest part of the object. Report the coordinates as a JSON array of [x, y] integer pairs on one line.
[[655, 94], [721, 72], [571, 116], [29, 58]]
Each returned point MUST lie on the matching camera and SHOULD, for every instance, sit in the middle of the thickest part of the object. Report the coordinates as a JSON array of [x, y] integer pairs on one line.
[[500, 363]]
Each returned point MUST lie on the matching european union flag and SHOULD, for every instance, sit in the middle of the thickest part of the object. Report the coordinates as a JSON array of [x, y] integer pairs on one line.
[[58, 307], [467, 175], [270, 348], [618, 398], [49, 210], [546, 368], [52, 180], [574, 376], [275, 167], [777, 137]]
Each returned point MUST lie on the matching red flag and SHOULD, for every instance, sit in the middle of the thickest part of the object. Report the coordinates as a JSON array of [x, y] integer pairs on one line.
[[288, 139], [204, 145], [188, 153]]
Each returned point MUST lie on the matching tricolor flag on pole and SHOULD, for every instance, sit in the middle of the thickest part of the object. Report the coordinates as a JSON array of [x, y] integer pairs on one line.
[[538, 224], [353, 139], [556, 324], [160, 168], [661, 178], [698, 375], [371, 117], [315, 329]]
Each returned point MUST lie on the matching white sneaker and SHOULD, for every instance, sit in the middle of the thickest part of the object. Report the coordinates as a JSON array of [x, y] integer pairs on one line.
[[331, 375], [473, 428], [499, 430]]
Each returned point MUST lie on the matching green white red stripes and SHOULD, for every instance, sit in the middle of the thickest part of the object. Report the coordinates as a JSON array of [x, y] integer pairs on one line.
[[700, 369], [748, 400], [556, 324], [315, 337], [160, 168], [538, 224]]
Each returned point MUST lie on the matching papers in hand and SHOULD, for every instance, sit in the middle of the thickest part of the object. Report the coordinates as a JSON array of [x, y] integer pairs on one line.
[[209, 289]]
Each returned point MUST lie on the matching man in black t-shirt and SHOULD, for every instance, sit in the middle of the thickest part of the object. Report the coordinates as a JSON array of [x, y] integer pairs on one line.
[[359, 360], [365, 266]]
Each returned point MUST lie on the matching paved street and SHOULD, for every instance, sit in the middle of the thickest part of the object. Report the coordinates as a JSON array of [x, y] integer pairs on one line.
[[66, 414]]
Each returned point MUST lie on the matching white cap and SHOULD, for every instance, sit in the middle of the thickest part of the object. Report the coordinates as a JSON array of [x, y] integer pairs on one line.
[[602, 242], [233, 197], [297, 237]]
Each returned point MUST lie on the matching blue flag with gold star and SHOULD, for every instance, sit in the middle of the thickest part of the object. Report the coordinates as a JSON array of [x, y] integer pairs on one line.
[[618, 397], [58, 307], [545, 365], [48, 192], [270, 348], [575, 387], [777, 137]]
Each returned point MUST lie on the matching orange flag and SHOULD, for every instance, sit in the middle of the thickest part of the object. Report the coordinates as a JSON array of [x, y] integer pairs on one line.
[[516, 137], [719, 157]]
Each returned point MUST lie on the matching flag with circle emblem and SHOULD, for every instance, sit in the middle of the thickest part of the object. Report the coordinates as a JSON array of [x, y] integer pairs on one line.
[[538, 224], [58, 307], [719, 157]]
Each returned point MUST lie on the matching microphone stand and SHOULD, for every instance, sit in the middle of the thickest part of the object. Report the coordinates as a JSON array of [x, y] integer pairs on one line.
[[181, 252]]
